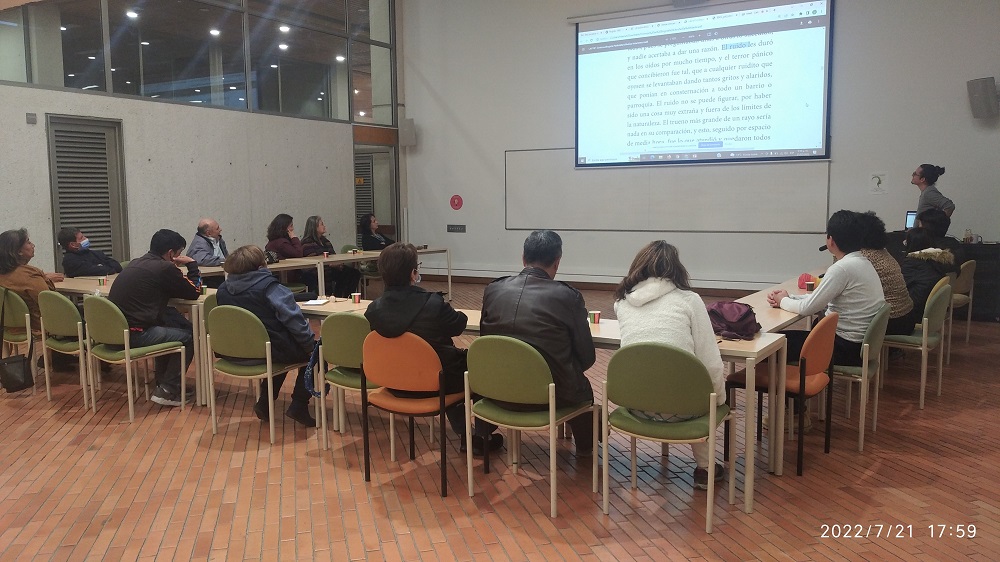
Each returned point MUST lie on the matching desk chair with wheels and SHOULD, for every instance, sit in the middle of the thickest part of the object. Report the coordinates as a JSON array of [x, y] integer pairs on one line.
[[506, 369], [405, 363], [63, 332], [658, 377], [802, 381], [871, 355], [343, 337], [235, 333], [928, 335], [108, 341]]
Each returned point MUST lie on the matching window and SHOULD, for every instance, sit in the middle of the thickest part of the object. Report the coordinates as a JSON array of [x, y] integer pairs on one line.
[[12, 63], [371, 78], [67, 44]]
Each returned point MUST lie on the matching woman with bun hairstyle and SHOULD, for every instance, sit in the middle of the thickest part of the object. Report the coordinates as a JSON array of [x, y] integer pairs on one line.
[[925, 178]]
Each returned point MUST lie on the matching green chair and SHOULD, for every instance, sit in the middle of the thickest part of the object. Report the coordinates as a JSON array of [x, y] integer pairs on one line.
[[928, 335], [62, 332], [17, 325], [343, 337], [871, 354], [657, 377], [296, 288], [509, 370], [961, 295], [108, 341], [235, 333]]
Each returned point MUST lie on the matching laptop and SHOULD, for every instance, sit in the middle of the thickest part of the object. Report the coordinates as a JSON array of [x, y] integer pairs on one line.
[[911, 220]]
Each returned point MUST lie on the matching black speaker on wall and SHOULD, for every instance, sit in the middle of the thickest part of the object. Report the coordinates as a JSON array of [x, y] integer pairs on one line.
[[983, 98]]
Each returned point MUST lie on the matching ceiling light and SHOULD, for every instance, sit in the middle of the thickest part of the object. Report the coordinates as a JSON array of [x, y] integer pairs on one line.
[[284, 29], [127, 82], [155, 96], [274, 66], [214, 32], [283, 46], [232, 87], [322, 93], [197, 91], [62, 28], [92, 58], [71, 75], [319, 99], [90, 87], [243, 99], [340, 58], [131, 14], [357, 92], [114, 69], [195, 101], [144, 43], [361, 113]]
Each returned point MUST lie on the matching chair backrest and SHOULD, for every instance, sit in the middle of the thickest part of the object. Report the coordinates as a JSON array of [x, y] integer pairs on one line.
[[236, 332], [963, 283], [658, 377], [403, 363], [211, 301], [344, 336], [505, 368], [14, 310], [875, 334], [936, 310], [348, 247], [817, 350], [59, 314], [937, 286], [105, 321]]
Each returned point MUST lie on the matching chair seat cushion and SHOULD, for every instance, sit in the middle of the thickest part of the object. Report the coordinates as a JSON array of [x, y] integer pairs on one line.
[[814, 383], [958, 301], [855, 372], [63, 345], [382, 398], [696, 428], [914, 340], [109, 353], [346, 378], [14, 335], [237, 370], [490, 411]]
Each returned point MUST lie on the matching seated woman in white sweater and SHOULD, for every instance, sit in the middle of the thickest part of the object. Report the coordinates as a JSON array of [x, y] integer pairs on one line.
[[654, 303]]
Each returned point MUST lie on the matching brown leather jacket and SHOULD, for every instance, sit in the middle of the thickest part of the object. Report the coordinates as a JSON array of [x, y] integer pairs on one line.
[[551, 316]]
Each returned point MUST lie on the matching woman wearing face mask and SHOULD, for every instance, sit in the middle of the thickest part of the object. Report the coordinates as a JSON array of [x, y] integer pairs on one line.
[[16, 250], [80, 260]]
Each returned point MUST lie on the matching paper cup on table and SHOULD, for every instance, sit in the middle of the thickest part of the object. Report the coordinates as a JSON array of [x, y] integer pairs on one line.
[[594, 316], [326, 254], [356, 298], [810, 286]]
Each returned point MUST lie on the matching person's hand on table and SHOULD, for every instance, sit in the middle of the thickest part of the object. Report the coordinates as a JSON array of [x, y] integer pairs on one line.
[[55, 277], [774, 298], [182, 260]]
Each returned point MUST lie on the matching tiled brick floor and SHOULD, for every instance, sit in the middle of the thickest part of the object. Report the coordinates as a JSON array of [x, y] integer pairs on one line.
[[81, 486]]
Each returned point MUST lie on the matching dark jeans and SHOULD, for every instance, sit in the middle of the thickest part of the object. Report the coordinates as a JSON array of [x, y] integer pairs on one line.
[[904, 325], [168, 367], [300, 396], [845, 352]]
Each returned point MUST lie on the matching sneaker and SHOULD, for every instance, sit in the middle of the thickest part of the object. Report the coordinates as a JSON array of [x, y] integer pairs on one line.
[[479, 444], [701, 476], [300, 414], [164, 398]]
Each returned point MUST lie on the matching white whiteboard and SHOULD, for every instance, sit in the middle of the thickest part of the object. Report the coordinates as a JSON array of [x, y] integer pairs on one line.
[[544, 190]]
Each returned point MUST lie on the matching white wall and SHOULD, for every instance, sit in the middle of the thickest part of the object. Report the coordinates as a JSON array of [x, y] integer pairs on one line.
[[182, 163], [480, 78]]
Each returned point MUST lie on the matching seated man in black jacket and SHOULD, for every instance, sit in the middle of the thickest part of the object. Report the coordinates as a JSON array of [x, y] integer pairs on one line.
[[405, 307], [80, 260], [551, 316], [142, 290]]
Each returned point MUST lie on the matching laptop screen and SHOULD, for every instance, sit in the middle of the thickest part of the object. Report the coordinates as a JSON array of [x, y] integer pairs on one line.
[[911, 219]]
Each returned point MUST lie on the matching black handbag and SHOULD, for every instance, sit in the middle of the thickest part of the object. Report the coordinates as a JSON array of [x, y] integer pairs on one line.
[[16, 371]]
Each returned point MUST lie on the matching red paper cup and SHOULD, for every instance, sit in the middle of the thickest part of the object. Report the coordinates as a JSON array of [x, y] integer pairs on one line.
[[594, 316], [356, 298], [326, 254]]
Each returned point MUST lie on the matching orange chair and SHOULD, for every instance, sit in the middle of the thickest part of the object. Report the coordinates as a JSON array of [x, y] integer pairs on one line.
[[805, 380], [404, 363]]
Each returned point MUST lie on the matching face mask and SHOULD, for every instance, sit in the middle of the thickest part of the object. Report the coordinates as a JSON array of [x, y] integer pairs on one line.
[[85, 244]]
